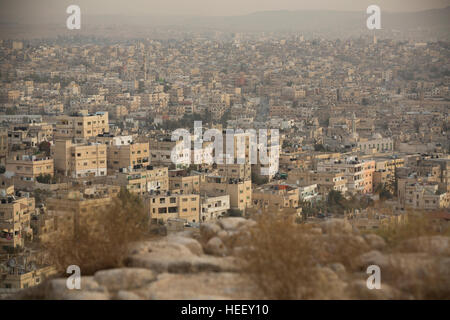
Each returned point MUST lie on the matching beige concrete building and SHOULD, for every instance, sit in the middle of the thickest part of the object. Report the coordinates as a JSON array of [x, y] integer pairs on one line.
[[110, 139], [385, 171], [142, 181], [81, 126], [15, 215], [326, 181], [69, 206], [376, 144], [162, 207], [309, 193], [235, 171], [161, 151], [3, 144], [180, 182], [31, 276], [29, 134], [28, 167], [128, 155], [80, 160], [213, 208], [276, 195], [425, 196], [359, 173], [240, 191]]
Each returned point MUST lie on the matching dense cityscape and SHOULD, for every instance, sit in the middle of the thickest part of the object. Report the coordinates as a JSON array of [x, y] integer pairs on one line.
[[87, 123]]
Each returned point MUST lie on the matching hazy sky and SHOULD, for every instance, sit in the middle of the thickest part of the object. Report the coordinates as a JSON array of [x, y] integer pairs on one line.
[[25, 9]]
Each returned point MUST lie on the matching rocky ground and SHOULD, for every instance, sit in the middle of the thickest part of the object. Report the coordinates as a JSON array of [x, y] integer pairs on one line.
[[187, 265]]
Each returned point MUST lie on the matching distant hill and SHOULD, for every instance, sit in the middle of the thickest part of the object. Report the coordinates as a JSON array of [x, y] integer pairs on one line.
[[287, 20], [334, 23]]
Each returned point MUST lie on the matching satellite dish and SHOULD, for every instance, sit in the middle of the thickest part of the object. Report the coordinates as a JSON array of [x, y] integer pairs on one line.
[[12, 263]]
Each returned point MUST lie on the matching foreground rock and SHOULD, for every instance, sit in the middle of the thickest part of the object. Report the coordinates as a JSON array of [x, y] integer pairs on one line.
[[175, 256], [206, 265], [198, 286]]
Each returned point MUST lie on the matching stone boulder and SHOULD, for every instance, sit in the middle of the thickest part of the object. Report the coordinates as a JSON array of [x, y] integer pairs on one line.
[[216, 247], [90, 290], [204, 285], [233, 223], [209, 230], [374, 241], [336, 226], [373, 257], [178, 257], [124, 278], [437, 245]]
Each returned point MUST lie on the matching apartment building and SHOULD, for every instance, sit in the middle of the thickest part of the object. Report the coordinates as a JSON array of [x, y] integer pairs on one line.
[[385, 171], [142, 181], [294, 160], [15, 215], [110, 139], [9, 96], [81, 126], [376, 144], [240, 191], [235, 171], [80, 160], [3, 144], [415, 194], [213, 207], [325, 181], [69, 206], [30, 134], [128, 155], [239, 146], [277, 195], [161, 151], [164, 206], [368, 168], [203, 156], [444, 164], [384, 178], [388, 164], [358, 173], [29, 167], [309, 193], [28, 276], [179, 181], [43, 225], [20, 118]]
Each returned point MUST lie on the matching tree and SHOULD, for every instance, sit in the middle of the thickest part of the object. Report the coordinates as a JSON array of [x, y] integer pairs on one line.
[[47, 179], [335, 198], [319, 147], [100, 238], [382, 190], [225, 117], [234, 213], [11, 111], [44, 146]]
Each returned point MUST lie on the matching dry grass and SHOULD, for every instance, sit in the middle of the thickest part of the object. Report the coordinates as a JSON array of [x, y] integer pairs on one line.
[[416, 224], [283, 259], [430, 281], [99, 240], [427, 276]]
